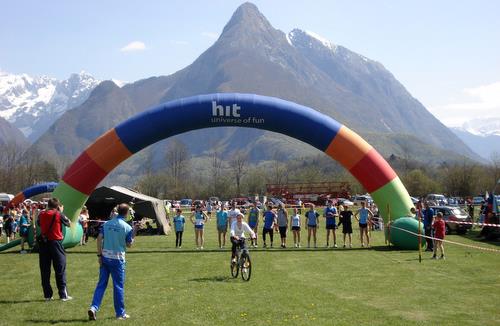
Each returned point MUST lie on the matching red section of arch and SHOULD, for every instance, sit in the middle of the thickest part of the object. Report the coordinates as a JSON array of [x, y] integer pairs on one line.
[[373, 171], [84, 174]]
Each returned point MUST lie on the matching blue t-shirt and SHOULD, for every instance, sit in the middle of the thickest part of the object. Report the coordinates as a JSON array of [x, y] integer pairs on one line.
[[117, 233], [428, 214], [23, 220], [311, 217], [253, 216], [222, 218], [268, 219], [330, 213], [179, 223], [363, 215]]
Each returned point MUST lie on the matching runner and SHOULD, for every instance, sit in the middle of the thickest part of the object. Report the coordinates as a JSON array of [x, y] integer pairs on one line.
[[253, 222]]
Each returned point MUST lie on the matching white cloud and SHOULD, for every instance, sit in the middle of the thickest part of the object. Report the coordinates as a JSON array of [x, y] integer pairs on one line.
[[482, 102], [134, 46], [210, 35]]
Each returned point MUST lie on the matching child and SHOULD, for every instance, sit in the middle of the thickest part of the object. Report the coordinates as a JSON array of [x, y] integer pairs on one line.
[[312, 224], [365, 216], [222, 221], [345, 219], [270, 217], [330, 215], [295, 223], [439, 232], [179, 221], [199, 218]]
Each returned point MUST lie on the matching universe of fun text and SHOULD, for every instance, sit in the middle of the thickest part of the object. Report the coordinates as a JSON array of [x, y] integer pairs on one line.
[[231, 114]]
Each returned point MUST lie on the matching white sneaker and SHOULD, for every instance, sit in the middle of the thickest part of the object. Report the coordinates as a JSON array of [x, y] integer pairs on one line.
[[335, 246], [350, 245], [49, 299], [123, 317], [201, 247], [68, 298], [23, 252], [92, 314]]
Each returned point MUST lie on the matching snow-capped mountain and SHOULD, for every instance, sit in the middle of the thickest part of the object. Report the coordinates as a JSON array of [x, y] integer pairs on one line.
[[33, 104], [482, 127], [482, 135]]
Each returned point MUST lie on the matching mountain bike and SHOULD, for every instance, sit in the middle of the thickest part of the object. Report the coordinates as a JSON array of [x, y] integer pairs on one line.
[[242, 264]]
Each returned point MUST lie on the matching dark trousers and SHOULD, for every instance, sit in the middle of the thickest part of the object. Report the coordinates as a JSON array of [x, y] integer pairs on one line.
[[52, 253], [240, 242], [178, 238], [428, 233], [266, 231]]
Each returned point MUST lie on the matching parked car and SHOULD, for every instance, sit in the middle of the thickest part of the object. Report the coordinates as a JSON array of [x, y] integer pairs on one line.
[[477, 200], [361, 198], [451, 213], [344, 202], [436, 199], [186, 202]]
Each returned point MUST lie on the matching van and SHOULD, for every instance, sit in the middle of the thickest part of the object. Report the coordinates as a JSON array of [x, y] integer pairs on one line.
[[436, 199], [5, 198]]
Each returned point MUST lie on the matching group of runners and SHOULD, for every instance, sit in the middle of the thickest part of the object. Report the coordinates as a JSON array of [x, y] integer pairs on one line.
[[277, 219]]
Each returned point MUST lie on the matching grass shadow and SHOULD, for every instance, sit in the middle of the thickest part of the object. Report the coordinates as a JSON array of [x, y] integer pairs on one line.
[[216, 279], [473, 235], [20, 301], [56, 321]]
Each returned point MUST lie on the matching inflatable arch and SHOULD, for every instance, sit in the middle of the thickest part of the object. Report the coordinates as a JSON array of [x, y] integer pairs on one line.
[[32, 191], [230, 109], [29, 192]]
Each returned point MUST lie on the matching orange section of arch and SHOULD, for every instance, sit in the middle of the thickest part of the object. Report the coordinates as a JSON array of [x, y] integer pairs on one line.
[[108, 151], [348, 148]]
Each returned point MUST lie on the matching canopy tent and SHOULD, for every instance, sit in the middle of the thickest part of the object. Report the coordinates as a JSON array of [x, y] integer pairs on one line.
[[103, 199]]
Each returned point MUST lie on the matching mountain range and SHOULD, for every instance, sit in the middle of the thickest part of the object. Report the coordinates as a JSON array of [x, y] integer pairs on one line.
[[482, 135], [251, 56], [33, 104]]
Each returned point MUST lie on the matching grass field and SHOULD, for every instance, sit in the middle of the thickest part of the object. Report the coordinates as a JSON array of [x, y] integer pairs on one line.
[[165, 286]]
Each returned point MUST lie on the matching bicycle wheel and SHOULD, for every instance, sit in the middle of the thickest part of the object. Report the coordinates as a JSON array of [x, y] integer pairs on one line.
[[234, 269], [246, 267]]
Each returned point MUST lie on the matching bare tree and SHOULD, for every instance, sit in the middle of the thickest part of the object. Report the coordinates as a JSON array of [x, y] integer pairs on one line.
[[216, 166], [177, 158], [238, 164], [495, 168]]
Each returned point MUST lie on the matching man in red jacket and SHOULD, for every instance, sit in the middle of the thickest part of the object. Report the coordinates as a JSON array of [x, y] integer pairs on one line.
[[51, 250]]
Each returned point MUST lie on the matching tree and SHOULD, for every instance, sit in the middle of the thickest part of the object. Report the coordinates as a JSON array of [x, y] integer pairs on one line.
[[238, 164], [216, 166], [177, 158]]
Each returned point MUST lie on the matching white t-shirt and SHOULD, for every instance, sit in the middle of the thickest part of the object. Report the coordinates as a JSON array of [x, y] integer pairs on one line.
[[232, 214], [296, 220], [239, 231]]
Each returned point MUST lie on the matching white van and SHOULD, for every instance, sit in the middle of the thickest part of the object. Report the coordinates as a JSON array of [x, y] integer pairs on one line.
[[5, 198]]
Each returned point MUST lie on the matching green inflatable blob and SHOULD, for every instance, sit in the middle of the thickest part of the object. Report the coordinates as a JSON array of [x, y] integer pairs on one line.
[[402, 239]]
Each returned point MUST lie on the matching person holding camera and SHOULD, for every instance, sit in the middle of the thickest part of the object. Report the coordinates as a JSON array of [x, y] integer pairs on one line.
[[51, 251]]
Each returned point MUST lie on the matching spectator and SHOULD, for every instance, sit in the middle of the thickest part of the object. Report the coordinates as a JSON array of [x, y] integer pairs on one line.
[[51, 250], [330, 213], [364, 219], [179, 222], [269, 222], [222, 222], [299, 204], [439, 233], [233, 212], [83, 219], [295, 223], [253, 222], [282, 224], [198, 218], [24, 224], [8, 224], [1, 222], [345, 221], [312, 218], [428, 217], [115, 236]]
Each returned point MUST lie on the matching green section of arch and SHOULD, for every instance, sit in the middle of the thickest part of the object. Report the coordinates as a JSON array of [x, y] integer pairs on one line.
[[393, 200], [73, 201]]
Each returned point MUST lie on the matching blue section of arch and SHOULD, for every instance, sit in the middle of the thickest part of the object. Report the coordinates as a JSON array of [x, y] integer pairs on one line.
[[255, 111], [39, 189]]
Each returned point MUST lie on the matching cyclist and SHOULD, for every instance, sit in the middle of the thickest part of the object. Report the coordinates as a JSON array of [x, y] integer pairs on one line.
[[238, 229]]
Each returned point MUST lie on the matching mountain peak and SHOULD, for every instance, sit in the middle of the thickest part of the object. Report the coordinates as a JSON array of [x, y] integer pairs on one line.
[[247, 18]]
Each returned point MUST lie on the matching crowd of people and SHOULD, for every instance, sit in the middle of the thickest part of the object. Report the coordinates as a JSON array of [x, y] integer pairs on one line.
[[277, 219]]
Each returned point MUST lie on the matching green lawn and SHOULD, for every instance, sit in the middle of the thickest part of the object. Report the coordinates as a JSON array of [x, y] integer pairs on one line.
[[165, 286]]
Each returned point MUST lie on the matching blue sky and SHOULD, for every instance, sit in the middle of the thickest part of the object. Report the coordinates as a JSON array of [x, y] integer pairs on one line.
[[446, 53]]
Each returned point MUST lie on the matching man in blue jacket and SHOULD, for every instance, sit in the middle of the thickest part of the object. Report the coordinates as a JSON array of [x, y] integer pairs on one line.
[[428, 216], [115, 236]]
